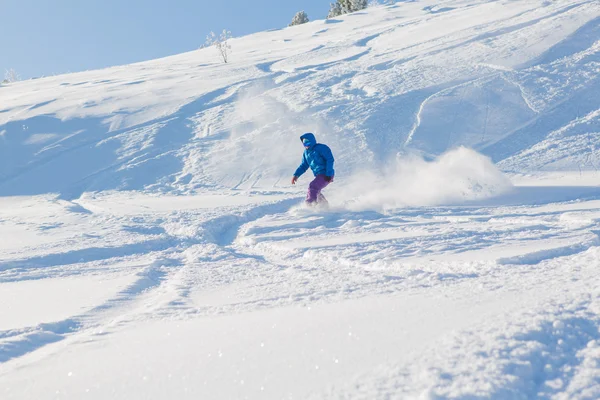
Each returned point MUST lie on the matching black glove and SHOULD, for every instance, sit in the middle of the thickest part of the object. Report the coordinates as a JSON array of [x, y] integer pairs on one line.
[[328, 178]]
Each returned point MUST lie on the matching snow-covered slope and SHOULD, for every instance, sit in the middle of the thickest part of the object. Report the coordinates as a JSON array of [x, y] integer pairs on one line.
[[498, 77], [152, 246]]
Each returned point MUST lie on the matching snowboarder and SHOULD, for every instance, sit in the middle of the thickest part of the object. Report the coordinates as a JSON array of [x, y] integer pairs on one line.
[[319, 158]]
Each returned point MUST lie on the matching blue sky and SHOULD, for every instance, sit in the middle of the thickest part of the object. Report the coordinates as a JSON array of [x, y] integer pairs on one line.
[[46, 37]]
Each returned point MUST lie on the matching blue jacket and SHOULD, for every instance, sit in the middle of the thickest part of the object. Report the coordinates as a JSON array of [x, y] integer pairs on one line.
[[318, 157]]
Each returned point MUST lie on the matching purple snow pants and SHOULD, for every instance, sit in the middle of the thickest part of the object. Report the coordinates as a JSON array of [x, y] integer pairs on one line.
[[314, 190]]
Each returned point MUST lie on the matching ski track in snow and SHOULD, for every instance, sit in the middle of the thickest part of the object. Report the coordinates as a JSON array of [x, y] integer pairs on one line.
[[152, 247], [273, 256]]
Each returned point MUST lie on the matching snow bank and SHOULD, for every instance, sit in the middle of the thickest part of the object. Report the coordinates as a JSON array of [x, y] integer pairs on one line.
[[457, 176]]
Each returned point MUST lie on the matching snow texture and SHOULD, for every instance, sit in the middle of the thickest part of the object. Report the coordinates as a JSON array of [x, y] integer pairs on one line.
[[152, 246]]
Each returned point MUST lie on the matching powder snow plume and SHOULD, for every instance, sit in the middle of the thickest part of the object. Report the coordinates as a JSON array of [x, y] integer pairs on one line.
[[457, 176]]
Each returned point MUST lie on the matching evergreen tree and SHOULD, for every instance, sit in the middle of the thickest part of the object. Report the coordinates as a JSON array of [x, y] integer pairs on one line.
[[299, 19], [341, 7], [358, 5], [335, 10], [346, 6]]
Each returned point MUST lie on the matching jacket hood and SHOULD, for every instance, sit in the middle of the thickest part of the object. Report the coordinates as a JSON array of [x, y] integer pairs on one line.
[[311, 138]]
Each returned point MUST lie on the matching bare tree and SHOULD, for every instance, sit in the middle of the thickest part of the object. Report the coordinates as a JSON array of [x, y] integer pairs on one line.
[[10, 75], [220, 43]]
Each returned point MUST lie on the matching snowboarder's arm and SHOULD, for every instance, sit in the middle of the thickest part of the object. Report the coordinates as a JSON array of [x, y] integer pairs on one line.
[[328, 156], [302, 168]]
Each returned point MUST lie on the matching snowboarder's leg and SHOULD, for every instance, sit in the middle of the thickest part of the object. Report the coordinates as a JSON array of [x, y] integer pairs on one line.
[[314, 189], [322, 201]]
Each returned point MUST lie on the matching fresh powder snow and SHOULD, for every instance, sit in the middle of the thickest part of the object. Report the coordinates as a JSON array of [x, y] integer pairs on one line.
[[153, 247]]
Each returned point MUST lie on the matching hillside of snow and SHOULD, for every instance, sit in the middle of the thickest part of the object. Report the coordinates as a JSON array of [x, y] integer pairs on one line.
[[154, 248], [506, 79]]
